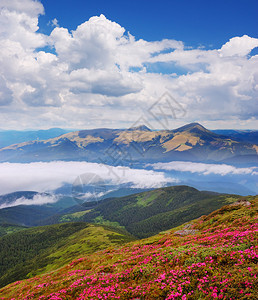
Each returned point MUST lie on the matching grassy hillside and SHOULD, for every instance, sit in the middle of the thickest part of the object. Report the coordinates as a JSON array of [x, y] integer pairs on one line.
[[42, 249], [148, 213], [213, 257], [10, 228]]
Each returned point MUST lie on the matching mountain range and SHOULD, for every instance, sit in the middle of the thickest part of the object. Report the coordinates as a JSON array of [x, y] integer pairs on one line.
[[191, 142]]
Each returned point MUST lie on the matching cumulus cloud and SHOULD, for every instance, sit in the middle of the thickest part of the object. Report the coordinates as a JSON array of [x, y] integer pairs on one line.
[[19, 24], [100, 64], [109, 83], [205, 169], [38, 199], [29, 7], [239, 46], [42, 177], [91, 45]]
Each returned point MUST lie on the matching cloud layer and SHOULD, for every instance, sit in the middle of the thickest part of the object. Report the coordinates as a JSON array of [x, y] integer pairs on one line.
[[38, 199], [205, 169], [80, 78], [43, 176]]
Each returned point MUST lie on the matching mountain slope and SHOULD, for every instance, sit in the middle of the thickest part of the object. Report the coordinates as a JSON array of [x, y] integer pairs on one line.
[[190, 142], [213, 257], [6, 228], [14, 217], [150, 212], [142, 214], [42, 249]]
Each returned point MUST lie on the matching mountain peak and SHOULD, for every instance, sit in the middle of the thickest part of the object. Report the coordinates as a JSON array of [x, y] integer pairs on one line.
[[140, 127], [192, 126]]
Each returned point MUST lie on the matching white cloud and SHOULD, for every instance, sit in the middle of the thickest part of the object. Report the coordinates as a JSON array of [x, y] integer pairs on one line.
[[44, 176], [38, 199], [29, 7], [239, 46], [109, 83], [205, 169], [91, 45], [19, 23], [100, 66]]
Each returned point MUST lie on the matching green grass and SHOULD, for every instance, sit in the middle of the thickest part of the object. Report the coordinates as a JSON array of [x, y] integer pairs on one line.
[[42, 249], [75, 217], [101, 221], [146, 198]]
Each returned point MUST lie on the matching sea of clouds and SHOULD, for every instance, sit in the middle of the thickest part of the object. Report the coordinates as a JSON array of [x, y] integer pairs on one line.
[[203, 168], [38, 199], [49, 176]]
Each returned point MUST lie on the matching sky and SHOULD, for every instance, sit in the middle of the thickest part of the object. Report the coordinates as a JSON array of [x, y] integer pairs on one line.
[[89, 64]]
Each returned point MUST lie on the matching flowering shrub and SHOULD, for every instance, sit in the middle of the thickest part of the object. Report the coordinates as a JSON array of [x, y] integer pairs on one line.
[[218, 262]]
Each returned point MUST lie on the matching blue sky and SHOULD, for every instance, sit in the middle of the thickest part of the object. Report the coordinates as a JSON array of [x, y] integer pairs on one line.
[[87, 64], [196, 22]]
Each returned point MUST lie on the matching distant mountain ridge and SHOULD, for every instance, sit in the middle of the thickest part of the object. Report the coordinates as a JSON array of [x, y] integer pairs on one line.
[[190, 142], [247, 136]]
